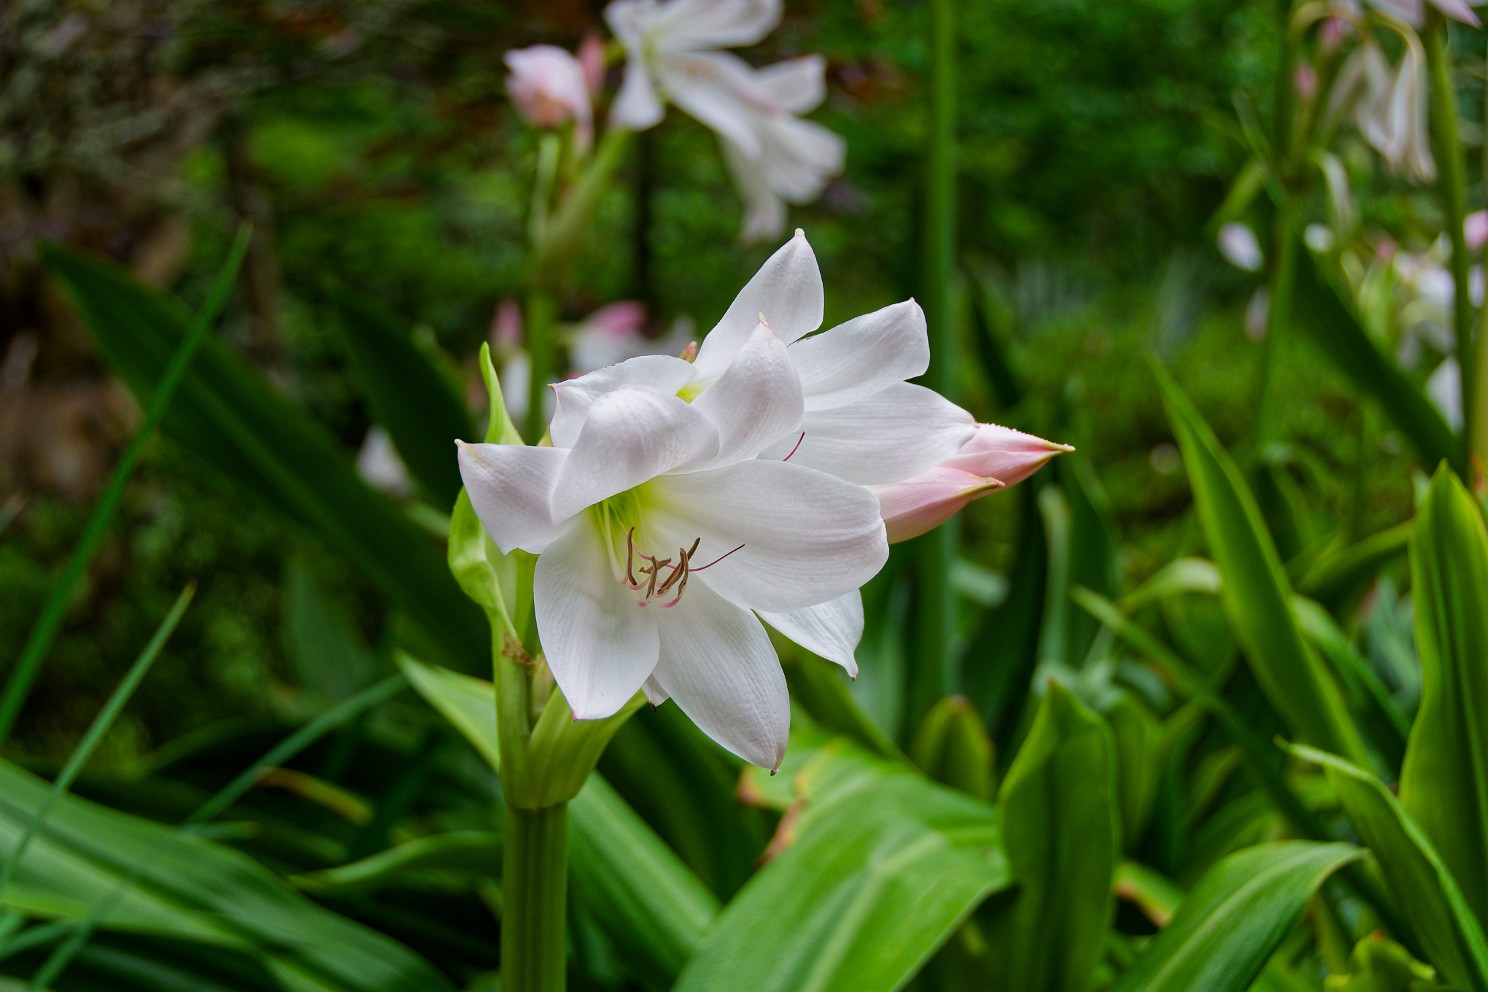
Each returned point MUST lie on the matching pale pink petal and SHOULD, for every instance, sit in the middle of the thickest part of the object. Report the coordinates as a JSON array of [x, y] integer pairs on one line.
[[1003, 453], [914, 506], [689, 25]]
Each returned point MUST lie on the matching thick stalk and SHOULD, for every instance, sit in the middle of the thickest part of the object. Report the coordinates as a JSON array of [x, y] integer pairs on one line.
[[534, 889], [939, 548], [1453, 188]]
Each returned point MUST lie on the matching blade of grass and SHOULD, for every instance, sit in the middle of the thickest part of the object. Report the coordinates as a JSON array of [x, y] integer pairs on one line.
[[100, 726], [49, 621], [296, 742]]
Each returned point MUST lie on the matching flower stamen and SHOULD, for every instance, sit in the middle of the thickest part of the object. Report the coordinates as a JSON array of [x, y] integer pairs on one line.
[[656, 584], [796, 448]]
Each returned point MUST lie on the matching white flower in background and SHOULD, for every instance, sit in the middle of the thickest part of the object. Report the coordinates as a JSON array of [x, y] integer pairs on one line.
[[1389, 104], [1413, 12], [1238, 245], [773, 155], [380, 466], [550, 88], [662, 539]]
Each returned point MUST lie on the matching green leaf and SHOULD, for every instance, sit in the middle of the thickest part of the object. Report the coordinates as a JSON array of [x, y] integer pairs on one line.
[[1319, 312], [1061, 826], [1444, 779], [461, 852], [952, 747], [227, 415], [1234, 918], [1255, 593], [881, 867], [1381, 965], [1432, 906], [407, 392], [183, 886]]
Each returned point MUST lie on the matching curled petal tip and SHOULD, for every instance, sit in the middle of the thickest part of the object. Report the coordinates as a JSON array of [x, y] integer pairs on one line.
[[800, 233]]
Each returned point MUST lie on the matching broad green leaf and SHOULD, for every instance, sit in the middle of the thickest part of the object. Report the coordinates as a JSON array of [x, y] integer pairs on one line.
[[227, 415], [1431, 903], [654, 907], [408, 393], [1331, 324], [1234, 918], [1335, 576], [188, 888], [1255, 592], [877, 871], [1444, 779], [1137, 735], [1061, 827]]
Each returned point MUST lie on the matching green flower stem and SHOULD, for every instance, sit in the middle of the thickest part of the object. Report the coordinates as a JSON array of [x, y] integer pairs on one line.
[[534, 889], [939, 547], [539, 333], [1453, 186]]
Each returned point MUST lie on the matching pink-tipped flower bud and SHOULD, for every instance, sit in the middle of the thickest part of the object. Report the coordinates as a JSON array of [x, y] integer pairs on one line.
[[592, 60], [548, 85], [1305, 82], [914, 506], [1475, 228], [1005, 454]]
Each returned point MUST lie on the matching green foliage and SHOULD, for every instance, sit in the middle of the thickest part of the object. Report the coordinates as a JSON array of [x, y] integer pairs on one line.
[[1234, 918], [1444, 778]]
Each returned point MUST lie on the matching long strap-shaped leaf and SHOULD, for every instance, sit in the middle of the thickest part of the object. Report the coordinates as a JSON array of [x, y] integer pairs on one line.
[[1256, 595], [1235, 917], [231, 418]]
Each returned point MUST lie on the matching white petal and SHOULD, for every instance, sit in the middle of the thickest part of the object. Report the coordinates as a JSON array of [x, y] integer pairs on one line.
[[655, 694], [630, 435], [799, 157], [511, 489], [600, 645], [662, 373], [764, 212], [795, 85], [806, 537], [787, 290], [718, 665], [694, 24], [637, 105], [868, 353], [831, 629], [719, 90], [756, 401], [896, 433]]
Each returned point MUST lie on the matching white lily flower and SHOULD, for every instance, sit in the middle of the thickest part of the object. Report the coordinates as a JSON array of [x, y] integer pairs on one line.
[[773, 155], [861, 420], [1389, 105], [660, 535], [1413, 12]]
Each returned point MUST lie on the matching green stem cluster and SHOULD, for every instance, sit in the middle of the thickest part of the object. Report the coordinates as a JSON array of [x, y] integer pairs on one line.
[[1453, 185], [939, 547], [534, 892]]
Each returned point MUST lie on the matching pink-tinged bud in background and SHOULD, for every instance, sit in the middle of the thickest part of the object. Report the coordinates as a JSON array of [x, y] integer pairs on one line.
[[506, 326], [1475, 229], [1005, 454], [549, 87], [914, 506], [592, 60], [1332, 33], [1305, 81]]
